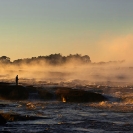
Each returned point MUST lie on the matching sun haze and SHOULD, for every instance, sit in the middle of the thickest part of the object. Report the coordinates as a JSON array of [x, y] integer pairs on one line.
[[103, 30]]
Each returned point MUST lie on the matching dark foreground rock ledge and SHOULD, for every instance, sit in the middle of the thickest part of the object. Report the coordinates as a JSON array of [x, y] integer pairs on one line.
[[65, 94], [13, 92], [77, 95]]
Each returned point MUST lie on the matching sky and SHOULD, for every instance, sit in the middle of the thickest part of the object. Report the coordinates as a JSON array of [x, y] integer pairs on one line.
[[102, 29]]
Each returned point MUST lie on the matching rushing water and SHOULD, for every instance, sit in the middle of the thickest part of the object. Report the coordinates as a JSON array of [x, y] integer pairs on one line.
[[67, 117], [113, 116]]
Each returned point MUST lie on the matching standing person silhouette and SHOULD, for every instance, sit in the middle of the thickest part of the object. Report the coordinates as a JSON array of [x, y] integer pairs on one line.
[[17, 80]]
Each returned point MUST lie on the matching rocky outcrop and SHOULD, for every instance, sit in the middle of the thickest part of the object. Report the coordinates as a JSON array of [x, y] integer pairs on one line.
[[13, 92], [45, 94], [77, 95], [65, 94]]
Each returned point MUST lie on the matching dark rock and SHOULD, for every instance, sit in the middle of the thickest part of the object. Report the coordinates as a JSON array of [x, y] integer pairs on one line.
[[18, 92], [13, 92], [2, 120], [45, 94], [2, 105], [77, 95]]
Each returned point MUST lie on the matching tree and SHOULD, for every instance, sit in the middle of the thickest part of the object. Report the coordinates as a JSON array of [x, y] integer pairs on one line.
[[4, 59]]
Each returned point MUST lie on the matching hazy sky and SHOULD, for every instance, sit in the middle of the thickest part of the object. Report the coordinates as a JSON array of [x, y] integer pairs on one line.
[[102, 29]]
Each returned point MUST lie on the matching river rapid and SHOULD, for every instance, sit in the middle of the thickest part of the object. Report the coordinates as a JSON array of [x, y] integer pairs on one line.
[[112, 116]]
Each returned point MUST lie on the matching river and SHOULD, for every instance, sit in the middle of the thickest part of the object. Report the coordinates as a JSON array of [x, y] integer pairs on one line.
[[112, 116]]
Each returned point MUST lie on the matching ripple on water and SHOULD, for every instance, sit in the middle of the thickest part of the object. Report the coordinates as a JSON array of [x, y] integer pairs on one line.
[[69, 117]]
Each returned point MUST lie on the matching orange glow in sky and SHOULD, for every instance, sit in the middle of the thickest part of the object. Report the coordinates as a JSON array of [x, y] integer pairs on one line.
[[103, 30]]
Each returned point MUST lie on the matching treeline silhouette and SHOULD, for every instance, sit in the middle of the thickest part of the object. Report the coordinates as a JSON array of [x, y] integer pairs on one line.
[[52, 59]]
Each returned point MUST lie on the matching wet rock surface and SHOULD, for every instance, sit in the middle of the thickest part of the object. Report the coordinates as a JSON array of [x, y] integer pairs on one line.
[[19, 92], [77, 95], [13, 92]]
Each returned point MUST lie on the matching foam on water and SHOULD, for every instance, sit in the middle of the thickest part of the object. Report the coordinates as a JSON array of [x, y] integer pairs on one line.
[[69, 117], [114, 115]]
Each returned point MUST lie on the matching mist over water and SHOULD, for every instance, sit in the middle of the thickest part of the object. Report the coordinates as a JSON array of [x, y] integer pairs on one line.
[[116, 77], [93, 72], [113, 80]]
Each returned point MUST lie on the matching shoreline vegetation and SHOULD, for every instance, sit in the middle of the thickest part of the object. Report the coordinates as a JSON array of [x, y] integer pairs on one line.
[[55, 59]]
